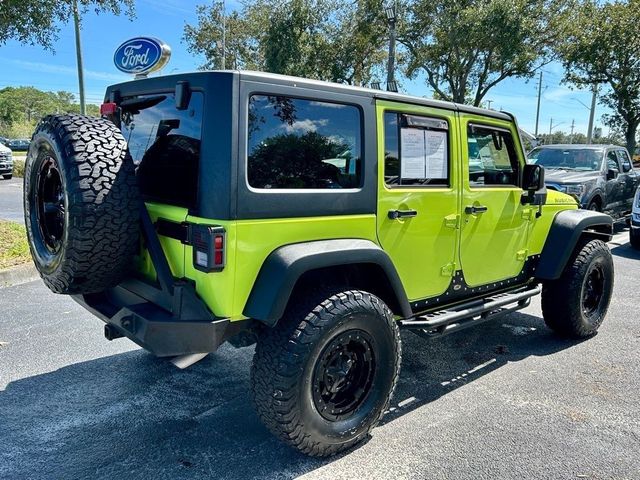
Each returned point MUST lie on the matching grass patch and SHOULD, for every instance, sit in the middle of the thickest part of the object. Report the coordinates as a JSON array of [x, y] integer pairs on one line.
[[18, 167], [14, 249]]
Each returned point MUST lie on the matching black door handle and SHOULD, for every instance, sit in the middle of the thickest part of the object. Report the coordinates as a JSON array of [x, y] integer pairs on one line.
[[395, 214], [473, 209]]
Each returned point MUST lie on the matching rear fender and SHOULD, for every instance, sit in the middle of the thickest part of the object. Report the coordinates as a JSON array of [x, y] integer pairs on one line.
[[285, 266]]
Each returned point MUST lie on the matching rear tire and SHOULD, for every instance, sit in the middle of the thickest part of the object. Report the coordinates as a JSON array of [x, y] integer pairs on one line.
[[634, 239], [324, 376], [81, 204], [575, 305]]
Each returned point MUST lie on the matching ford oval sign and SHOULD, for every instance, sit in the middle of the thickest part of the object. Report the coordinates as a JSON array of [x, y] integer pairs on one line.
[[141, 55]]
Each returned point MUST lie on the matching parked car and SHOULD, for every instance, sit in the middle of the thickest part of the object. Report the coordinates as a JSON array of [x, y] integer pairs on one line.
[[6, 162], [314, 219], [3, 141], [599, 177], [634, 230], [18, 145]]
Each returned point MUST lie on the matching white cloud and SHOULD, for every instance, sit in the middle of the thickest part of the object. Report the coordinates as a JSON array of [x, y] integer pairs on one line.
[[327, 105], [63, 70], [304, 126]]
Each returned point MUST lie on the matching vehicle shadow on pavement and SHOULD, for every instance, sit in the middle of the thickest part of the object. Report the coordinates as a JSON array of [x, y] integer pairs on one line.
[[626, 251], [432, 368], [134, 416]]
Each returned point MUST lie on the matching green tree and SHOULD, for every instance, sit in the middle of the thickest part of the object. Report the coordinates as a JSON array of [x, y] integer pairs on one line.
[[22, 107], [603, 47], [466, 47], [321, 39], [38, 21]]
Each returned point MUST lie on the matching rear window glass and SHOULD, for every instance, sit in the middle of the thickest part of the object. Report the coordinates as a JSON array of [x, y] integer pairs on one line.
[[164, 143], [303, 144]]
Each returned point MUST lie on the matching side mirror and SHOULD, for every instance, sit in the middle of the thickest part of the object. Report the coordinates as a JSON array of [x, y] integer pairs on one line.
[[533, 178], [612, 174]]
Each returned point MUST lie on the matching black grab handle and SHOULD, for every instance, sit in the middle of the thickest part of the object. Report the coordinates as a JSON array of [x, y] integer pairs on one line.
[[473, 209], [395, 214]]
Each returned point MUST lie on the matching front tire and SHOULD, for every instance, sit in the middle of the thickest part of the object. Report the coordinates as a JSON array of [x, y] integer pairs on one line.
[[324, 376], [634, 239], [575, 305]]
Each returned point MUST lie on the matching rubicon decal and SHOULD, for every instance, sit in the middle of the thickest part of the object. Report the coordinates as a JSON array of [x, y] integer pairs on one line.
[[141, 55]]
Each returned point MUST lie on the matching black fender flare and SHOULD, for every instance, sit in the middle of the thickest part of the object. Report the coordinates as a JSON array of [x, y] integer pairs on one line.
[[285, 265], [567, 228]]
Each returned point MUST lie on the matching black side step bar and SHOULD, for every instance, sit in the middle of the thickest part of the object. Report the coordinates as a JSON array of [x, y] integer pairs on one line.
[[469, 314]]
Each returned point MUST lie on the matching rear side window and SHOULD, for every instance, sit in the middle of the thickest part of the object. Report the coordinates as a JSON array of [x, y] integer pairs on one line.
[[164, 143], [295, 143], [492, 157]]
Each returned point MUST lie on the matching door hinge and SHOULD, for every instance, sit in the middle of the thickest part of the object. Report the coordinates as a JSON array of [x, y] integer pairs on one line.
[[521, 255], [448, 270], [452, 221], [527, 214]]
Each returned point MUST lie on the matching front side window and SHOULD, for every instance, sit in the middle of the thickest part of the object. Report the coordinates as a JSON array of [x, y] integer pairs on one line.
[[624, 161], [492, 157], [303, 144], [612, 161], [416, 150]]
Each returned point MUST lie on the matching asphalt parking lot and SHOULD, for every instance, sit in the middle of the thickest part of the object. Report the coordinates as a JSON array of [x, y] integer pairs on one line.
[[506, 400], [11, 199]]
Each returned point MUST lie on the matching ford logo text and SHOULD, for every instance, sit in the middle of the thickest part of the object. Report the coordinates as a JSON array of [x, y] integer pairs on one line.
[[141, 55]]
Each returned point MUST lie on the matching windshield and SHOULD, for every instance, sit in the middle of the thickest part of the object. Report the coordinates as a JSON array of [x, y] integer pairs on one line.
[[567, 159]]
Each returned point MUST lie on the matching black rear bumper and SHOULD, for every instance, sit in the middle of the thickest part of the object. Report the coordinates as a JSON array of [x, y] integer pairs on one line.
[[129, 311]]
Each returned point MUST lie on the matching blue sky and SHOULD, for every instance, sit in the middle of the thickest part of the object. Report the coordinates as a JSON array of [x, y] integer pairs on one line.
[[101, 35]]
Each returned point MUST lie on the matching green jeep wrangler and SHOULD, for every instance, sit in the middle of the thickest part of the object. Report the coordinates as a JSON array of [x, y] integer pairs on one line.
[[316, 220]]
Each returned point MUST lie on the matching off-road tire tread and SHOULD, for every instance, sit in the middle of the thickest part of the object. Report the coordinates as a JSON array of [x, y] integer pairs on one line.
[[560, 314], [103, 207], [275, 370]]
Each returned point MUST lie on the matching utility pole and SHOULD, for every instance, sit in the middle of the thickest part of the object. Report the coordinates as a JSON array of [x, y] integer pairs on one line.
[[573, 125], [489, 102], [224, 36], [550, 126], [76, 23], [391, 63], [592, 113], [538, 109]]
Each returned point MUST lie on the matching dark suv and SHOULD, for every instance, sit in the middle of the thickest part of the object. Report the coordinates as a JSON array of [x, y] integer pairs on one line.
[[600, 177]]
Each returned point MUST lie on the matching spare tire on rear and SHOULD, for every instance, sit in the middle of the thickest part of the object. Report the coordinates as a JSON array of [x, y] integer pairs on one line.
[[81, 204]]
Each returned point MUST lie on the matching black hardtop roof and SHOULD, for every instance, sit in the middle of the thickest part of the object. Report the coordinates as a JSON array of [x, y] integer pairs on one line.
[[272, 78]]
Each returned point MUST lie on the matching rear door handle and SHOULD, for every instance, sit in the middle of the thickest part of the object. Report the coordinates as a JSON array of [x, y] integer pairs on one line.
[[473, 209], [395, 214]]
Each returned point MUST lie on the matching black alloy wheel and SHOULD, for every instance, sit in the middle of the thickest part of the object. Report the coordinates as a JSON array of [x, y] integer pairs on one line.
[[49, 206], [592, 290], [343, 376]]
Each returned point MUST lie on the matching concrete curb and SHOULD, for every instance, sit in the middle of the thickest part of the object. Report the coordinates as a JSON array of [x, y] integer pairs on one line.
[[18, 274]]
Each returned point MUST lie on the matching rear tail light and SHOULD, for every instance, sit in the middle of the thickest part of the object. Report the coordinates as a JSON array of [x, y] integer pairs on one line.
[[108, 109], [208, 247]]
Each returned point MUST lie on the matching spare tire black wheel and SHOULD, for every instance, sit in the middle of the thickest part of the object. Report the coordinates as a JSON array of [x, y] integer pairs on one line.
[[81, 204]]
